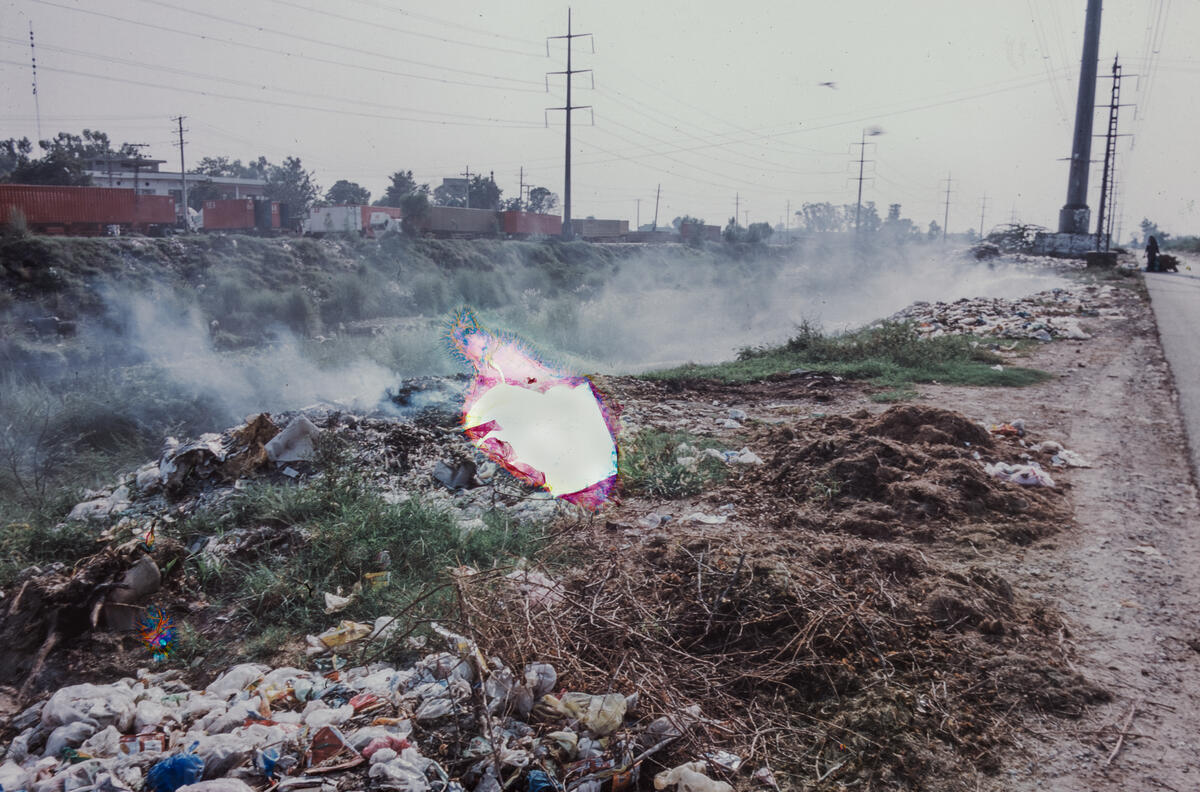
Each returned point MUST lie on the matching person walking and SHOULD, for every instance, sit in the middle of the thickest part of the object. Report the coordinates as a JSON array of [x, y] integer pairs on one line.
[[1152, 255]]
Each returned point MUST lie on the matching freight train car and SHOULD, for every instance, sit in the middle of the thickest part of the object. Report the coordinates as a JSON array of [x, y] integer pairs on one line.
[[367, 221], [85, 211], [453, 222], [242, 214], [689, 232], [525, 224], [600, 230]]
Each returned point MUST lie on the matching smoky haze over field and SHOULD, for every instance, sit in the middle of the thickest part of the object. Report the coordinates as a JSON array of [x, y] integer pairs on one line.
[[658, 309]]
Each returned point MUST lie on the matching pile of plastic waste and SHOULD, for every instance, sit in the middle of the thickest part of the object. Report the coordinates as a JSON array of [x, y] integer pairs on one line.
[[1045, 316], [452, 721]]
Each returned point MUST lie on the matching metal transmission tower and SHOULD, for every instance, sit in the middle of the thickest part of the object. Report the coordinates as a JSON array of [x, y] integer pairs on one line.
[[862, 153], [1074, 216], [37, 105], [946, 220], [567, 231], [1103, 239], [182, 171], [982, 214]]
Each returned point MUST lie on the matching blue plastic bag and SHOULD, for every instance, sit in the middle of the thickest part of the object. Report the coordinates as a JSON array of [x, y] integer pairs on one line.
[[539, 782], [168, 775]]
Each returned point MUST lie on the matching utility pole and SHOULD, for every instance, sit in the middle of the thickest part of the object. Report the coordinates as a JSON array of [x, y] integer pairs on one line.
[[638, 227], [737, 202], [1073, 217], [521, 188], [467, 174], [747, 213], [567, 231], [787, 228], [657, 193], [982, 212], [946, 220], [1110, 153], [37, 106], [862, 161], [183, 172]]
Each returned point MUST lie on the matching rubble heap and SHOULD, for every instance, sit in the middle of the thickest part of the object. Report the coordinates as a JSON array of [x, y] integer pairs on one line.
[[1045, 316]]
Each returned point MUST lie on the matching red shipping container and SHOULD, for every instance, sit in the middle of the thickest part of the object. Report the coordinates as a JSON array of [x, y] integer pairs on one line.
[[230, 214], [527, 223], [84, 209]]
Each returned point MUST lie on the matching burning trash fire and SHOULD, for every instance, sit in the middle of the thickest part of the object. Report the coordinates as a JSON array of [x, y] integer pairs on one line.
[[544, 426]]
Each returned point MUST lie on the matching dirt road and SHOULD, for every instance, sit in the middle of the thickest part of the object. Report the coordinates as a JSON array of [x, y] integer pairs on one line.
[[1125, 577], [1176, 302]]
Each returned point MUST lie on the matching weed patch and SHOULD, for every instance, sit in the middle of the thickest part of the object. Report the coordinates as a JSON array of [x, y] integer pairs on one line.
[[668, 464], [890, 354]]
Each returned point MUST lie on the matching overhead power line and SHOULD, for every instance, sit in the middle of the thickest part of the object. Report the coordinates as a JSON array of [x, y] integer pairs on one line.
[[403, 31], [259, 86], [273, 103], [308, 58]]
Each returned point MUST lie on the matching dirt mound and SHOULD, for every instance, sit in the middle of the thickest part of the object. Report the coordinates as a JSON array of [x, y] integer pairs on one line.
[[862, 662], [915, 470]]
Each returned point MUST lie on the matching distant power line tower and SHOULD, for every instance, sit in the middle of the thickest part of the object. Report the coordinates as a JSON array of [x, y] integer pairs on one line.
[[1107, 179], [946, 219], [37, 105], [862, 161], [567, 231], [182, 171]]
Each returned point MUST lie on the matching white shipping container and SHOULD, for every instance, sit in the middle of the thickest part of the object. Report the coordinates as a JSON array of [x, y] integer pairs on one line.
[[335, 220]]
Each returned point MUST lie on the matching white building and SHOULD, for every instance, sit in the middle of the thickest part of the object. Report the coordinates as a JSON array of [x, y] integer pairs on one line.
[[144, 176]]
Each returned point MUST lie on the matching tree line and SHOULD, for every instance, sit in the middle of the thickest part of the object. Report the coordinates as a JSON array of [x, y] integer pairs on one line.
[[63, 157]]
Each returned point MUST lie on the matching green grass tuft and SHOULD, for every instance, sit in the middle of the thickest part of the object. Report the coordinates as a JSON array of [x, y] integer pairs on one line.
[[649, 464], [891, 354]]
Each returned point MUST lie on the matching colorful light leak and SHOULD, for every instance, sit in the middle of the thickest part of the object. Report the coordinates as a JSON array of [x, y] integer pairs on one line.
[[546, 427], [158, 633]]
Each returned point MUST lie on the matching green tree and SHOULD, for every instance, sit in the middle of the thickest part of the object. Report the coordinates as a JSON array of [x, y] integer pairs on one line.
[[401, 186], [935, 230], [733, 232], [347, 192], [54, 168], [820, 217], [92, 143], [1150, 229], [445, 195], [542, 201], [416, 207], [758, 233], [290, 183], [484, 193], [13, 153], [223, 166]]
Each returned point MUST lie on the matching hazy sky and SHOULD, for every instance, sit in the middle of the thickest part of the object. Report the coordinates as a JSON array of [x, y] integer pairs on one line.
[[707, 99]]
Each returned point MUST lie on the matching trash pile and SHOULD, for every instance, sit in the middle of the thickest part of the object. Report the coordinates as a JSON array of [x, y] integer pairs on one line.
[[452, 721], [909, 469], [1045, 316], [811, 611]]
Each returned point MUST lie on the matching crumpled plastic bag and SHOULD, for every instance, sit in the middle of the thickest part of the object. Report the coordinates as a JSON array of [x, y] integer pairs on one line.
[[1030, 475], [176, 771], [401, 774], [12, 776], [103, 744], [100, 705], [236, 679], [599, 714], [69, 736], [218, 785], [689, 777]]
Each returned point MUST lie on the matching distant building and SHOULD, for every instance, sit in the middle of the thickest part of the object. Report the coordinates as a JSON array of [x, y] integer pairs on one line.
[[144, 176]]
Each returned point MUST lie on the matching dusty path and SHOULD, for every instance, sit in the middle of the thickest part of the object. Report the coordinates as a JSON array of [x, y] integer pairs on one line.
[[1126, 578]]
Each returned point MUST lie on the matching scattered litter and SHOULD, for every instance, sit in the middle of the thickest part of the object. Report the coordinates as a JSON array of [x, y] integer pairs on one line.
[[1044, 316], [707, 519], [1147, 550], [689, 777], [295, 443], [1030, 475]]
